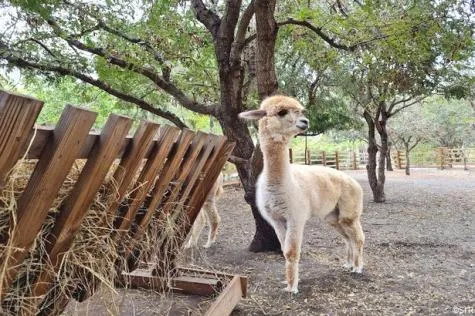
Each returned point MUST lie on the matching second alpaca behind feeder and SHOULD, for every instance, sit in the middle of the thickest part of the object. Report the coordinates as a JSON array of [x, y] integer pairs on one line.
[[208, 213]]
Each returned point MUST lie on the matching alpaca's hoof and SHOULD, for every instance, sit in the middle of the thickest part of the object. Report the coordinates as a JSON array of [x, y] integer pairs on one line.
[[348, 266], [357, 270], [293, 290], [207, 245], [285, 281]]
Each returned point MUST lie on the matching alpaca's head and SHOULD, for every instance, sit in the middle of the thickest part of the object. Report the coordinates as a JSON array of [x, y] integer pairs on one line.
[[279, 117]]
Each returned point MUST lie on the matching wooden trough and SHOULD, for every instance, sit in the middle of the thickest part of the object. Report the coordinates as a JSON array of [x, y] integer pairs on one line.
[[167, 166]]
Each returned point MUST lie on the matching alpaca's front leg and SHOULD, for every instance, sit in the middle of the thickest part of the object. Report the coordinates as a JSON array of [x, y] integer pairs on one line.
[[213, 221], [292, 247], [196, 230], [279, 226]]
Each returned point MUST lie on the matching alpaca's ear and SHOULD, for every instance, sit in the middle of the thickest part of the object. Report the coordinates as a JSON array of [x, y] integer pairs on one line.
[[253, 115]]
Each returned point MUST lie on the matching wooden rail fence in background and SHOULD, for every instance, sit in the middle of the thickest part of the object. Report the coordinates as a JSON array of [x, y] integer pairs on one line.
[[338, 160], [155, 157], [441, 158]]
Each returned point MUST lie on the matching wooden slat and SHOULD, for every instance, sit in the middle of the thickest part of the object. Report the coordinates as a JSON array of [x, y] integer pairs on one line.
[[227, 300], [153, 166], [172, 202], [171, 166], [221, 275], [168, 173], [197, 149], [73, 209], [196, 146], [214, 144], [200, 192], [193, 210], [131, 162], [123, 177], [42, 134], [211, 172], [17, 117], [43, 186], [142, 279]]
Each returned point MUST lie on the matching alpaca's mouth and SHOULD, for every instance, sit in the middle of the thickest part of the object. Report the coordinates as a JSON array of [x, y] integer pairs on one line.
[[302, 126]]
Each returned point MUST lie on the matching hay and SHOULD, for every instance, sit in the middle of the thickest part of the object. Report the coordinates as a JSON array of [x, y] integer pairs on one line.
[[95, 256]]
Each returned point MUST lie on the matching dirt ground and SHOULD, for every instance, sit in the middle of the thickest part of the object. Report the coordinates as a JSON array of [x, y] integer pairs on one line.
[[419, 256], [419, 253]]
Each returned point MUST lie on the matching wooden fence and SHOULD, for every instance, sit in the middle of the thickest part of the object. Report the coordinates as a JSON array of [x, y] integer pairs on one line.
[[338, 160], [440, 157], [162, 159]]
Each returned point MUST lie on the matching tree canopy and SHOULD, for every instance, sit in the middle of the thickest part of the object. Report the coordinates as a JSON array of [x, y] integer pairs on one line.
[[186, 60]]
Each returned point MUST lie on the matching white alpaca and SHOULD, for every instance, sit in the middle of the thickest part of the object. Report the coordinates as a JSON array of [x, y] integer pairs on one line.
[[288, 195], [209, 212]]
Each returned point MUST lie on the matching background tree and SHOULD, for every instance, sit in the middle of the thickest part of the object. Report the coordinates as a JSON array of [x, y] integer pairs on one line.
[[408, 129], [450, 121], [391, 75]]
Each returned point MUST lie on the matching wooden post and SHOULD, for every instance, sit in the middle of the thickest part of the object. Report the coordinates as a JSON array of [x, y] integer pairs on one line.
[[465, 159], [337, 162], [355, 166], [291, 155], [324, 158], [398, 159], [308, 157], [442, 158]]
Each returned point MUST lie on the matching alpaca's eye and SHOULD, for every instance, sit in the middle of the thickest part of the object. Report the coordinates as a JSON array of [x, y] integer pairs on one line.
[[282, 113]]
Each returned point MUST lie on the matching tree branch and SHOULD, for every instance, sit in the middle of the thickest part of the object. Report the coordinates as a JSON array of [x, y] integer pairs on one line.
[[394, 103], [239, 40], [22, 63], [318, 30], [207, 17], [44, 47], [341, 8], [167, 86], [405, 106], [134, 40]]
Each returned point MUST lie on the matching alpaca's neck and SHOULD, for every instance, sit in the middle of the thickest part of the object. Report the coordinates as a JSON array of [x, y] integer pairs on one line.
[[276, 159]]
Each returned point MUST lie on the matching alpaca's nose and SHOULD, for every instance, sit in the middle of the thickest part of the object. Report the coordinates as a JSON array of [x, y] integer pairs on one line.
[[302, 123]]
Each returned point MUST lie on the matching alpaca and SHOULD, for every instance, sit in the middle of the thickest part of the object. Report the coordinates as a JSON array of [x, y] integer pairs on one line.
[[209, 212], [288, 195]]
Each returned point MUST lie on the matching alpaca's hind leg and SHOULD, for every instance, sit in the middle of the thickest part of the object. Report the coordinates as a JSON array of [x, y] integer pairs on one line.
[[353, 229], [332, 220], [196, 229], [213, 221], [292, 248]]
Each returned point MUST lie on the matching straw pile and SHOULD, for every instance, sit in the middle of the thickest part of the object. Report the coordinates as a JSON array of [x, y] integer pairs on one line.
[[95, 253]]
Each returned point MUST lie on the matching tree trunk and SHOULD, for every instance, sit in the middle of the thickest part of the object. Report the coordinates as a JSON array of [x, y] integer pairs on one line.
[[266, 29], [389, 163], [231, 79], [265, 238], [374, 183], [408, 164], [383, 153]]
